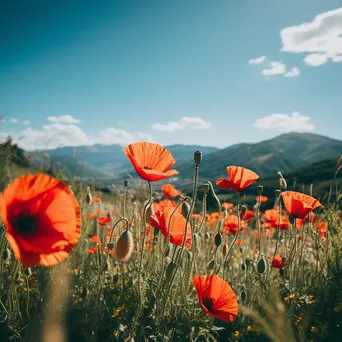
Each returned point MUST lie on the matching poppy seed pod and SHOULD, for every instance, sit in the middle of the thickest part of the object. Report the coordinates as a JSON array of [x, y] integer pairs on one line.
[[88, 197], [205, 188], [84, 292], [261, 266], [156, 231], [197, 157], [124, 246], [225, 249], [260, 190], [243, 266], [248, 262], [110, 246], [115, 278], [148, 214], [207, 236], [170, 269], [243, 210], [218, 239], [126, 182]]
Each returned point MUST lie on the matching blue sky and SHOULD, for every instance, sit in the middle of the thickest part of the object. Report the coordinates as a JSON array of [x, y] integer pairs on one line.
[[84, 72]]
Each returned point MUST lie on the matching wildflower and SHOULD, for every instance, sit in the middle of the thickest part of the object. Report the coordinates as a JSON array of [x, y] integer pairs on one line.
[[262, 199], [103, 220], [227, 205], [231, 224], [96, 199], [176, 226], [291, 296], [94, 239], [90, 217], [249, 329], [150, 161], [298, 205], [42, 219], [216, 297], [236, 334], [170, 191], [314, 329], [239, 178]]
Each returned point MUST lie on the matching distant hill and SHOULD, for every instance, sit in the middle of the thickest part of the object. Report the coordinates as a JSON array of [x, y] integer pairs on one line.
[[284, 153]]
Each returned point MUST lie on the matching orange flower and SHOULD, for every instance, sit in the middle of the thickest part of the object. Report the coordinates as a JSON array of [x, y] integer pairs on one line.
[[90, 217], [231, 224], [96, 199], [42, 219], [170, 191], [98, 211], [160, 220], [150, 161], [239, 178], [103, 220], [249, 214], [94, 239], [216, 297], [227, 205], [298, 205], [278, 261], [261, 199]]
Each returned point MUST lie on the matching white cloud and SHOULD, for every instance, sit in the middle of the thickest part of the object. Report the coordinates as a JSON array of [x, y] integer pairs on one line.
[[294, 122], [276, 68], [320, 39], [292, 73], [57, 134], [26, 122], [184, 123], [14, 121], [63, 119], [257, 60]]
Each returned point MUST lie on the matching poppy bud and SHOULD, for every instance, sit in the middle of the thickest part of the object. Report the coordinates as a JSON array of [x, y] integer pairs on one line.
[[84, 292], [261, 266], [243, 266], [283, 272], [248, 262], [211, 264], [218, 239], [115, 278], [170, 269], [243, 295], [110, 246], [282, 181], [189, 255], [148, 214], [88, 197], [124, 246], [126, 182], [225, 249], [283, 259], [156, 231], [260, 189], [206, 236], [7, 254], [197, 157], [243, 210], [206, 188]]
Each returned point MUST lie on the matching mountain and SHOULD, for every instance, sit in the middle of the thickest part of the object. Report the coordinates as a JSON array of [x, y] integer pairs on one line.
[[284, 153], [103, 161]]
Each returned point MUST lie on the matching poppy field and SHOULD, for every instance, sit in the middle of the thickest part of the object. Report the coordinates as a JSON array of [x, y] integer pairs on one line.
[[150, 263]]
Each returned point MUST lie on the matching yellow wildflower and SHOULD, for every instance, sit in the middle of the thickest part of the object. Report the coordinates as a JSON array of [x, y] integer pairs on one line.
[[236, 334], [314, 330]]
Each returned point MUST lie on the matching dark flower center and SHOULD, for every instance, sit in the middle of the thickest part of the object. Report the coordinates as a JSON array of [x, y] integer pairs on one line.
[[147, 168], [26, 225], [208, 303]]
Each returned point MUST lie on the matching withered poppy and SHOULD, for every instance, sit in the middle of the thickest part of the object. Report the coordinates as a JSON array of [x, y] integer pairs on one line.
[[151, 161], [42, 219], [170, 191], [239, 178], [216, 297], [298, 205], [160, 220]]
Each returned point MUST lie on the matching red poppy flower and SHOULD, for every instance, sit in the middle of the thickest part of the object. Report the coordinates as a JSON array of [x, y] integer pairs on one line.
[[231, 224], [216, 297], [90, 217], [96, 199], [227, 205], [42, 219], [239, 178], [160, 220], [94, 239], [170, 191], [249, 214], [298, 205], [150, 161], [278, 262], [103, 220], [300, 222], [262, 199]]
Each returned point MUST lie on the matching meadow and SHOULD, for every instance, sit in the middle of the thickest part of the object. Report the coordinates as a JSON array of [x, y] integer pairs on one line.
[[150, 263]]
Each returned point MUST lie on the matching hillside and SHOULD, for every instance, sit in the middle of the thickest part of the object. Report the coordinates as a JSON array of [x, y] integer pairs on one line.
[[285, 153]]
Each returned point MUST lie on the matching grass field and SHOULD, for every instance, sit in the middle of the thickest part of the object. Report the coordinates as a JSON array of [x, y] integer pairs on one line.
[[132, 271]]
